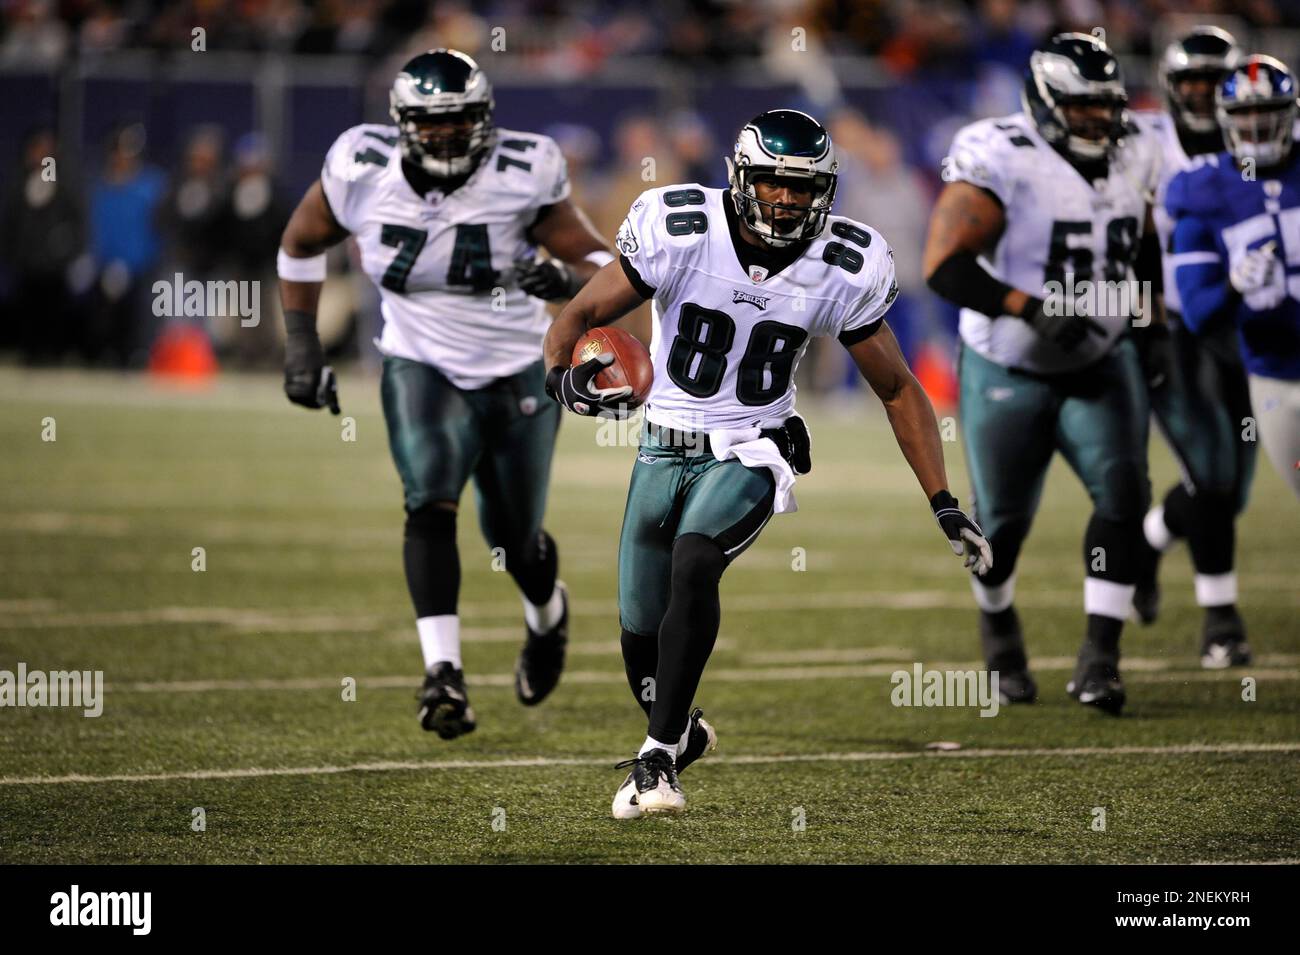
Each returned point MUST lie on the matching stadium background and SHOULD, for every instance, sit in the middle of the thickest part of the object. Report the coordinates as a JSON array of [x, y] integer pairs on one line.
[[172, 159]]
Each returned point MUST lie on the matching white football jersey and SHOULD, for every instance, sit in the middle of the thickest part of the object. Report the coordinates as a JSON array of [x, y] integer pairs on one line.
[[726, 343], [1059, 230], [1160, 127], [442, 263]]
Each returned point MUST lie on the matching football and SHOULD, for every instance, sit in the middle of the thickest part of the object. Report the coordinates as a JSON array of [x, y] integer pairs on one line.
[[631, 365]]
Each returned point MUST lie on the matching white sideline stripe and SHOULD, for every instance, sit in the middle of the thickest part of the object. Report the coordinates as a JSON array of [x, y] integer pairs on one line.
[[389, 766], [1149, 674]]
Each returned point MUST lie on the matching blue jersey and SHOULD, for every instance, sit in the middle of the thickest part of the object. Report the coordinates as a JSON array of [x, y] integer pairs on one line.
[[1219, 217]]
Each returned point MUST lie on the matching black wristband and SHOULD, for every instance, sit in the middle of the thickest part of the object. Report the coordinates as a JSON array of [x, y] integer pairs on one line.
[[941, 500]]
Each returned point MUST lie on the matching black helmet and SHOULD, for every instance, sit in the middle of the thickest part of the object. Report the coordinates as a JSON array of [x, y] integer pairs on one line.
[[449, 85], [1207, 52], [1076, 69]]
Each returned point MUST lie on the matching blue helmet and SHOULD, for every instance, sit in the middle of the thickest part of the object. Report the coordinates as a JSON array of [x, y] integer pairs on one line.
[[1257, 110]]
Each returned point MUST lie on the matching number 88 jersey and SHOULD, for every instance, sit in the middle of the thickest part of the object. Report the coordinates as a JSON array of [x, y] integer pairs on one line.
[[727, 341]]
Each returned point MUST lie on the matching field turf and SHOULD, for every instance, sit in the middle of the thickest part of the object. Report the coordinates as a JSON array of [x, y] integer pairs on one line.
[[225, 687]]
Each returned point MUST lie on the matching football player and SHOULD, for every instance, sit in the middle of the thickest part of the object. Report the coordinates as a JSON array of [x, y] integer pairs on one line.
[[1201, 404], [740, 280], [1056, 199], [448, 212], [1237, 246]]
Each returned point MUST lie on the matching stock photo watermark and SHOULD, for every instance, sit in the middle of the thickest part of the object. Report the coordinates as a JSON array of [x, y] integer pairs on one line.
[[77, 689]]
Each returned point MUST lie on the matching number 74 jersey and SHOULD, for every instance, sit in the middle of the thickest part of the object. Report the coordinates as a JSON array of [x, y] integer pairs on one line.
[[442, 263], [727, 340]]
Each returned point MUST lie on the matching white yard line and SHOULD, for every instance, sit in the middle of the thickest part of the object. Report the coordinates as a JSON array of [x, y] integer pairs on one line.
[[751, 760], [36, 615], [1138, 671]]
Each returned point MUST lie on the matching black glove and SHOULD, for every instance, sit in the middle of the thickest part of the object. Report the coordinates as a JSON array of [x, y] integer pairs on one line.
[[1068, 331], [1157, 353], [572, 388], [963, 534], [308, 381], [547, 280]]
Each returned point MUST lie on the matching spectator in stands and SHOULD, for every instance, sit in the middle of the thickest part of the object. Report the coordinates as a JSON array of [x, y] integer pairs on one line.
[[41, 235], [124, 244]]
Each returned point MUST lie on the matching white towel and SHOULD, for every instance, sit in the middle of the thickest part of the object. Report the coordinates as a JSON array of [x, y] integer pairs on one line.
[[745, 445]]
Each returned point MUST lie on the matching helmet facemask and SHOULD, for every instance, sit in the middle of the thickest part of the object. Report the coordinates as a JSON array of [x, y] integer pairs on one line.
[[1193, 109], [1259, 131], [761, 217], [444, 142]]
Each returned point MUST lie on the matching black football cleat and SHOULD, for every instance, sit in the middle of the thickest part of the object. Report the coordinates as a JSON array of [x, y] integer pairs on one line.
[[444, 705], [1223, 640], [650, 788], [1146, 598], [541, 661], [1097, 683], [702, 739], [1016, 687], [1003, 643]]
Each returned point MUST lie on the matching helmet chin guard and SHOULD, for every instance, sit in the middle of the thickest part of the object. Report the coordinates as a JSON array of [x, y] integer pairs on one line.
[[787, 144], [447, 85]]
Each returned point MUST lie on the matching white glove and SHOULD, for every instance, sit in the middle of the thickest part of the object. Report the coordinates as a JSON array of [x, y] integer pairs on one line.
[[1253, 271]]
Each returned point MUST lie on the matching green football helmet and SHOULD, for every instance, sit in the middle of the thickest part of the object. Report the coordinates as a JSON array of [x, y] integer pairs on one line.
[[442, 104], [783, 143]]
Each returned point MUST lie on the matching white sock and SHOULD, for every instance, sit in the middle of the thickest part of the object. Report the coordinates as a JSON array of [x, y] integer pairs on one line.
[[1155, 530], [544, 617], [1106, 598], [440, 640], [652, 743], [1216, 590], [681, 743]]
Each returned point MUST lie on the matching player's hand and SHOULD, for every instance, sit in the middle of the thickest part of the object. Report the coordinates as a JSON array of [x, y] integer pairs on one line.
[[964, 535], [572, 388], [1156, 352], [308, 381], [1254, 270], [1068, 331], [547, 280]]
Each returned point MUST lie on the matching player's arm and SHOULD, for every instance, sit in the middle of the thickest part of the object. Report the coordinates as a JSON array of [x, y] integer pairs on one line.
[[911, 416], [301, 267], [607, 297], [577, 252], [1205, 285], [966, 223]]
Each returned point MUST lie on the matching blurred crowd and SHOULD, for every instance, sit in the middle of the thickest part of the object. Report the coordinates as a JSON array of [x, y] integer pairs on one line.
[[81, 252], [568, 37], [81, 249]]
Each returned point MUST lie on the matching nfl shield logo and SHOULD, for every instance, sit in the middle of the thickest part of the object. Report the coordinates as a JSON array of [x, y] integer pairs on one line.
[[757, 273]]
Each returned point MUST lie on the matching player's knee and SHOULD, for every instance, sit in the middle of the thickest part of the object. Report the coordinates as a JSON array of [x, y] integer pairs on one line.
[[432, 521], [1124, 493], [698, 563]]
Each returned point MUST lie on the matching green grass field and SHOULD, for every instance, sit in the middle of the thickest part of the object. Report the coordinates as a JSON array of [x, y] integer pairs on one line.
[[224, 687]]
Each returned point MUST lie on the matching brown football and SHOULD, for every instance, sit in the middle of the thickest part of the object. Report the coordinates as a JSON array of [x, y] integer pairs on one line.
[[632, 365]]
